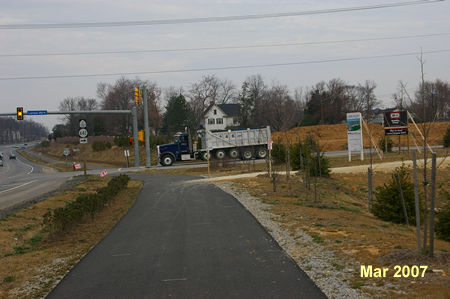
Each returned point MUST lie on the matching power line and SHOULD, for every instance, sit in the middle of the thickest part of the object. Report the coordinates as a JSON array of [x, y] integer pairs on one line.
[[223, 68], [214, 19], [223, 47]]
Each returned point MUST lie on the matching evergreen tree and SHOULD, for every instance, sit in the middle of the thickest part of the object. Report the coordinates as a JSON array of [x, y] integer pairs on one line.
[[176, 115]]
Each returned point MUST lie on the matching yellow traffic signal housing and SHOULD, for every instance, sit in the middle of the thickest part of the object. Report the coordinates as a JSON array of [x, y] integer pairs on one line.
[[19, 113], [137, 95], [141, 135]]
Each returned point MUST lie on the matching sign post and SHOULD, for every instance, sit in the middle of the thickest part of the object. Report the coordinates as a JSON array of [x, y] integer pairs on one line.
[[269, 147], [127, 154], [354, 134]]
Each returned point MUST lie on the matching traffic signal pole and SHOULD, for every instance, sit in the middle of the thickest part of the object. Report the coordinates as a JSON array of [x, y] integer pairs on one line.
[[133, 112], [146, 130], [135, 137]]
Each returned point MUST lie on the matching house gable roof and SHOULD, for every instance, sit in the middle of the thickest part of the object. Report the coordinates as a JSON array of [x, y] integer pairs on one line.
[[230, 110]]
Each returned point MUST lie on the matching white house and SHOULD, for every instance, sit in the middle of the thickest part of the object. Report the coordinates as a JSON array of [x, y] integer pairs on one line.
[[220, 116]]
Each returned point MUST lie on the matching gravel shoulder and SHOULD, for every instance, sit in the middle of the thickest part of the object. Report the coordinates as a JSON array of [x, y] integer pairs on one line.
[[318, 262]]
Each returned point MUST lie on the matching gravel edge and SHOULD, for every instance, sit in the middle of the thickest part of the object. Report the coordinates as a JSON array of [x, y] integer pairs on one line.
[[318, 263]]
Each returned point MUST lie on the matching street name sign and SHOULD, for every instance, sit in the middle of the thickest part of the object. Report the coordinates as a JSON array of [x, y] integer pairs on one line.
[[37, 112]]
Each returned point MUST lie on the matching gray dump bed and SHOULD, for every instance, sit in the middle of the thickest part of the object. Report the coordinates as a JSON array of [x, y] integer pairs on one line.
[[235, 138]]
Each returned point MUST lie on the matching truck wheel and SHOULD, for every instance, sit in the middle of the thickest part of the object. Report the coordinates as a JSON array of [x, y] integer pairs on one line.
[[167, 160], [204, 156], [220, 154], [234, 153], [247, 154], [261, 153]]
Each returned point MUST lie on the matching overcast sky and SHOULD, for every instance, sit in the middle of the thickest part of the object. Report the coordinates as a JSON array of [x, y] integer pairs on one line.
[[35, 94]]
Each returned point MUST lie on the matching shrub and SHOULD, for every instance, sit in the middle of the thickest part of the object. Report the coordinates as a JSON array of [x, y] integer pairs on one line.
[[278, 152], [388, 205], [443, 223], [381, 144], [122, 141], [64, 219], [45, 143], [446, 141], [310, 159], [98, 146]]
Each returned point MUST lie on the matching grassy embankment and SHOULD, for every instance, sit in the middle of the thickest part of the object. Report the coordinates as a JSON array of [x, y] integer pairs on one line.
[[32, 260]]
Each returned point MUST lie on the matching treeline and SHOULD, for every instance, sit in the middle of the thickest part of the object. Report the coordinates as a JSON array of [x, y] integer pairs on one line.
[[171, 109], [28, 129]]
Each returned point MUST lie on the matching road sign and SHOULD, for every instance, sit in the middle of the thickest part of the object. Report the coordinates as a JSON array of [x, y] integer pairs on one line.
[[66, 151], [83, 133], [83, 140], [269, 144], [83, 123], [37, 112], [126, 153]]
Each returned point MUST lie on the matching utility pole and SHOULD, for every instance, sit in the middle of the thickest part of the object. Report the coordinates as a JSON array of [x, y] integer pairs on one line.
[[146, 130]]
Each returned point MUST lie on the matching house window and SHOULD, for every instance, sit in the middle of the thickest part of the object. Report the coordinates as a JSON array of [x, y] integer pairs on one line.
[[219, 121], [211, 121], [215, 111]]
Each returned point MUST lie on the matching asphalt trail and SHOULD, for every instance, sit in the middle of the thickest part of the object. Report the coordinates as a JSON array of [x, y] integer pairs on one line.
[[186, 240]]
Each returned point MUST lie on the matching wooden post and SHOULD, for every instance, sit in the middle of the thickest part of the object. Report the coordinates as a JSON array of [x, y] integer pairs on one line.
[[270, 163], [369, 177], [84, 166], [207, 156], [416, 200], [432, 199], [403, 199]]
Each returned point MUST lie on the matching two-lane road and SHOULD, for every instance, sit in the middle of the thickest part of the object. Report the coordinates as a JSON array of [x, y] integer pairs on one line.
[[21, 180]]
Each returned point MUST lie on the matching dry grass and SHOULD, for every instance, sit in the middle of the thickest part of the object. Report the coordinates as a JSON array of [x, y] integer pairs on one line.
[[32, 262], [339, 221], [57, 166], [113, 157]]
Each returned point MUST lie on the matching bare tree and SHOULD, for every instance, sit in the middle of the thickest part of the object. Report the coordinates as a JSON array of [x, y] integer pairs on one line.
[[367, 98], [76, 103]]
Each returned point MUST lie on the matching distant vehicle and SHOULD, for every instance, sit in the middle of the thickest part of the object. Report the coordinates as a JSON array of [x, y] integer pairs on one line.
[[16, 146], [1, 155], [12, 156]]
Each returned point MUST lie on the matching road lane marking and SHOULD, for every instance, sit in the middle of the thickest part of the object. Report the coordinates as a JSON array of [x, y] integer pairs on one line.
[[18, 186], [26, 165], [174, 279]]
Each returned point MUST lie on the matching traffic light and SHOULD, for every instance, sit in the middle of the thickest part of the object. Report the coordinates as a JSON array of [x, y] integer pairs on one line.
[[137, 95], [19, 113], [131, 140]]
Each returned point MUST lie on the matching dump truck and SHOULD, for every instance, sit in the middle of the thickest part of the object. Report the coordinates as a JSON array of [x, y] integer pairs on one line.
[[244, 143]]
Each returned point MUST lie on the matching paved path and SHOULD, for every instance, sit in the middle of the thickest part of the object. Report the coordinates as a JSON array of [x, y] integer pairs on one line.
[[186, 241]]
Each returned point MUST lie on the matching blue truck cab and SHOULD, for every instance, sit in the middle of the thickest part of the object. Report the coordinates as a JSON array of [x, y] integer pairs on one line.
[[180, 149]]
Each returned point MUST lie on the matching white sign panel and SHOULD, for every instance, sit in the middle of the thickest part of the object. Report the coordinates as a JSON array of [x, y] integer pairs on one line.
[[126, 153], [83, 140], [83, 124], [269, 145], [66, 151], [83, 133], [354, 133]]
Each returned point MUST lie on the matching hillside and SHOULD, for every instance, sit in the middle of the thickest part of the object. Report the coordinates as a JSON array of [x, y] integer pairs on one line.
[[334, 137]]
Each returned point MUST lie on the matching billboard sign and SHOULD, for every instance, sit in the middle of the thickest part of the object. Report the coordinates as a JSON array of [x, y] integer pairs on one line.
[[354, 132], [396, 123]]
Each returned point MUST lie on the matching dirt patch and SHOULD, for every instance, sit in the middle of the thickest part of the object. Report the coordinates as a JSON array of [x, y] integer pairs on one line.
[[32, 262]]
